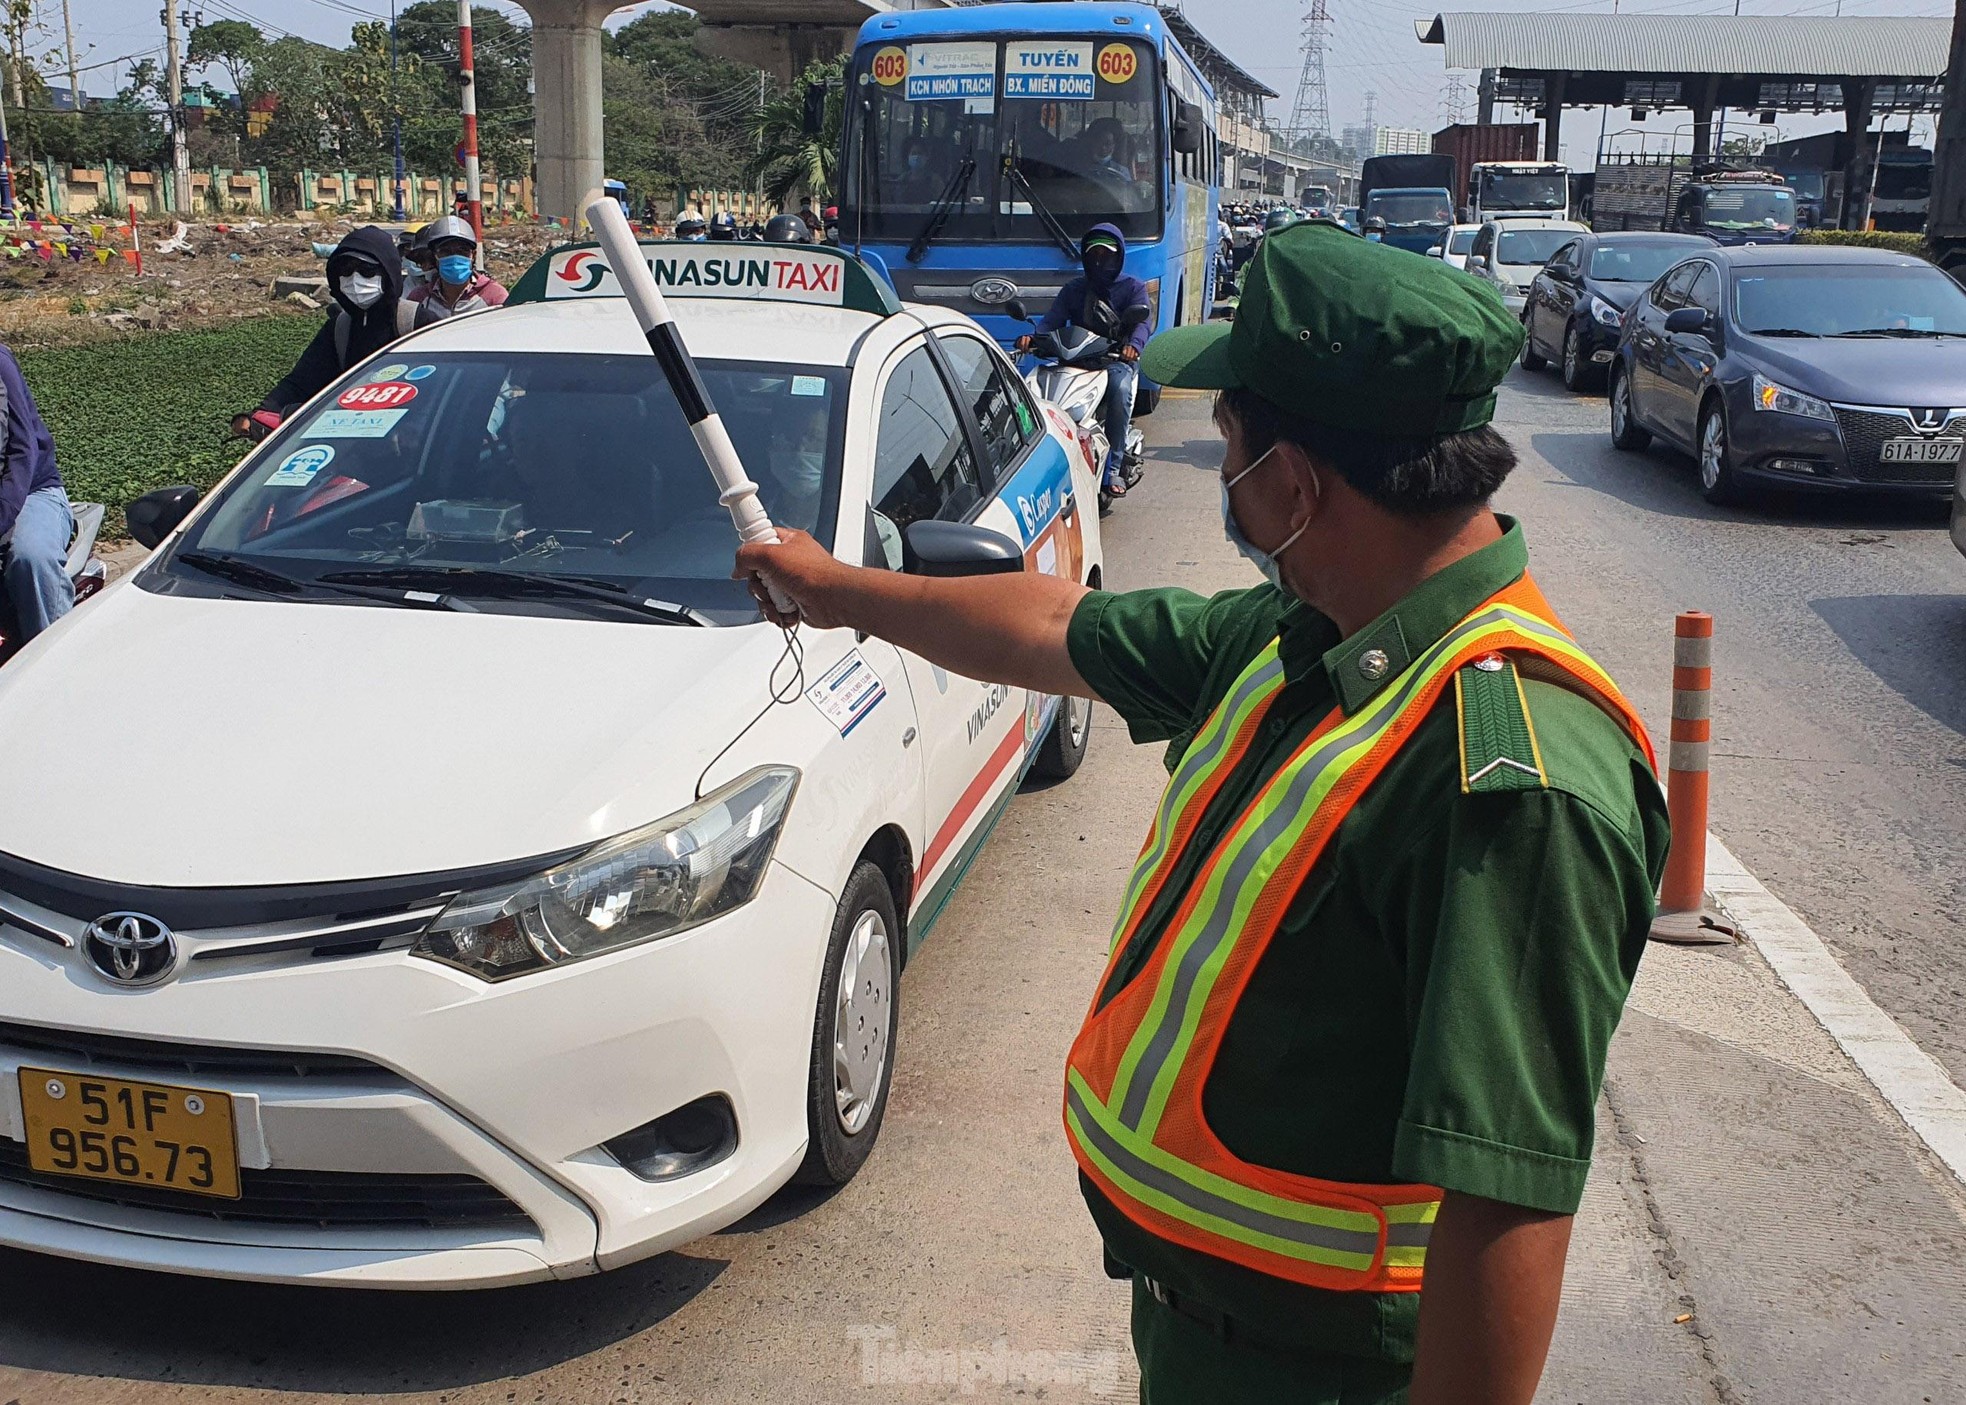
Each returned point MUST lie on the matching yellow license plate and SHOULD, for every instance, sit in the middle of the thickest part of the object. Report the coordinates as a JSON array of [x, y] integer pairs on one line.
[[143, 1134]]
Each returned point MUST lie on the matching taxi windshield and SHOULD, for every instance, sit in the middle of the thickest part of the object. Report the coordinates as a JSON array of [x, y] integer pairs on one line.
[[522, 470]]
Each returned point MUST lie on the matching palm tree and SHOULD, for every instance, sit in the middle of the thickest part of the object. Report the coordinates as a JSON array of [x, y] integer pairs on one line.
[[791, 160]]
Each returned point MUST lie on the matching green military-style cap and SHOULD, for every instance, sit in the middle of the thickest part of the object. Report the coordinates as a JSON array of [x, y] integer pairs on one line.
[[1351, 333]]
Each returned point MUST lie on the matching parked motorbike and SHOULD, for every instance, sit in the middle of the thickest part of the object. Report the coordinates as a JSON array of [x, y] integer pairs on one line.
[[84, 571], [1072, 372]]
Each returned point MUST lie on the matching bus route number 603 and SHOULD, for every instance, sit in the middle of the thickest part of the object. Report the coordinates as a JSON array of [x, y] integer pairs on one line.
[[1117, 63]]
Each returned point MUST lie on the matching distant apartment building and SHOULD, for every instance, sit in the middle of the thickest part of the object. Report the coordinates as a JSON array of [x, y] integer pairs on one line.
[[1400, 141]]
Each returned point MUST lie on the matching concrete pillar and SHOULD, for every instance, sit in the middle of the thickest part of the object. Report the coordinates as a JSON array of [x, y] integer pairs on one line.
[[1553, 89], [1485, 103], [1704, 99], [566, 81], [1858, 95]]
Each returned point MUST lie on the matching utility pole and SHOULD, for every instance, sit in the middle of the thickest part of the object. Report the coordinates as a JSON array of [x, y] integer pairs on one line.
[[74, 73], [474, 193], [6, 168], [174, 89], [397, 212]]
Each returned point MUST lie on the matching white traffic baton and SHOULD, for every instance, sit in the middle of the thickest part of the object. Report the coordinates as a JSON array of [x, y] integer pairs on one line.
[[735, 490]]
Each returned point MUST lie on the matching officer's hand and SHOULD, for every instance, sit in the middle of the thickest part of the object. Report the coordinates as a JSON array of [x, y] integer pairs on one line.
[[801, 570], [1024, 343], [1129, 353]]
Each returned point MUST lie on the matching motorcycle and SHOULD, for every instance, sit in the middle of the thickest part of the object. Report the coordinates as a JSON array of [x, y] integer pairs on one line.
[[1072, 372], [85, 572]]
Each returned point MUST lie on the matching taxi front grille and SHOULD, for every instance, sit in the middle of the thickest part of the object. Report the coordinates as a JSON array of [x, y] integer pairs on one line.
[[327, 1199], [1864, 433], [86, 1049]]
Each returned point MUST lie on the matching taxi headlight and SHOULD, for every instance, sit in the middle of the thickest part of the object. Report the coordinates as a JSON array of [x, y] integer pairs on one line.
[[677, 873], [1604, 313]]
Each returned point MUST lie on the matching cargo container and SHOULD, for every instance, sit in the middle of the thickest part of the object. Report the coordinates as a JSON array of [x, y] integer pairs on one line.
[[1469, 142]]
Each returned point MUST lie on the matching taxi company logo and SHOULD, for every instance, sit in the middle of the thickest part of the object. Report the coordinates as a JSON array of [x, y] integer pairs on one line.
[[783, 275], [130, 948], [585, 269], [1035, 513], [992, 292], [1929, 419]]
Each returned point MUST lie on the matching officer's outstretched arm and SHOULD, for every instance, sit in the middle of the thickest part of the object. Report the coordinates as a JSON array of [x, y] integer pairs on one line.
[[1494, 1274], [1001, 629]]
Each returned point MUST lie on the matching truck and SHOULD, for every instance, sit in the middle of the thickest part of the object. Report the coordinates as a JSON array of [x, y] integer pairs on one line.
[[1503, 190], [1728, 204], [1470, 144], [1816, 168], [1945, 222], [1411, 194]]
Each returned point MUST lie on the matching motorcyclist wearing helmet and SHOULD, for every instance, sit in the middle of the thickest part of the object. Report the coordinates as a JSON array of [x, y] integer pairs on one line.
[[1279, 218], [787, 229], [690, 226], [1375, 229], [723, 226], [419, 264], [1095, 300], [459, 286], [369, 311]]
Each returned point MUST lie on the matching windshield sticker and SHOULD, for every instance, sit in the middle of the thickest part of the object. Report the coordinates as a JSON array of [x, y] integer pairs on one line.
[[386, 373], [809, 385], [848, 692], [940, 72], [785, 275], [387, 395], [417, 373], [1118, 63], [354, 424], [890, 66], [297, 469], [1062, 71]]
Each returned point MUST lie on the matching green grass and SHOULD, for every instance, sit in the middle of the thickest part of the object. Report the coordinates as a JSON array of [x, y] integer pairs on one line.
[[1897, 241], [151, 410]]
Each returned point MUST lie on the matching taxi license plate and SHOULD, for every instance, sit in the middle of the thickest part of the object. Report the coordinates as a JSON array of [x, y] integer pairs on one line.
[[144, 1134], [1921, 450]]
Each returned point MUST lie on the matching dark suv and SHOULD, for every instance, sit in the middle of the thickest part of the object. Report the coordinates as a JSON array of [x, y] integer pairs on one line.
[[1803, 367]]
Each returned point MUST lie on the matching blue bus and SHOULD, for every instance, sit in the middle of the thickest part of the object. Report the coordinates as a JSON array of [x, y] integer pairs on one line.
[[981, 142]]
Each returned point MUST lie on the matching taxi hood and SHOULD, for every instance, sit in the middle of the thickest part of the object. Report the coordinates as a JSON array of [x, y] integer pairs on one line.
[[186, 742]]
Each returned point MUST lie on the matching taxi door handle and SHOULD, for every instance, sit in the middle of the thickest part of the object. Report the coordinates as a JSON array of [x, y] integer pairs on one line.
[[908, 737], [1068, 505]]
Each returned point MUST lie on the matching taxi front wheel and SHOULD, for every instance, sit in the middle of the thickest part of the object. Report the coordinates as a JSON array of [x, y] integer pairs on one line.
[[853, 1032], [1063, 747]]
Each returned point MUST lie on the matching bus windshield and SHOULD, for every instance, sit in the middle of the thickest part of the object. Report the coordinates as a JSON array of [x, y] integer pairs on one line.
[[1524, 190], [1000, 132]]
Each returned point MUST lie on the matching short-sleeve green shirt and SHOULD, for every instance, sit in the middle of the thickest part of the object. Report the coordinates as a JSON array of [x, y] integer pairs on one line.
[[1438, 1003]]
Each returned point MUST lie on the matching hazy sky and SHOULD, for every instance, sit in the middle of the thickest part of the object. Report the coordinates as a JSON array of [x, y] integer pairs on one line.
[[1371, 48]]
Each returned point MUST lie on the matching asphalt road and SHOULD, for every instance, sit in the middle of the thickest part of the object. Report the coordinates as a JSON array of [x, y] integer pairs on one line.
[[1759, 1226]]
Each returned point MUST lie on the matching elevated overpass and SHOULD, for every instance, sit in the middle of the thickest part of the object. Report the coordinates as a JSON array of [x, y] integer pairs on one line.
[[779, 36]]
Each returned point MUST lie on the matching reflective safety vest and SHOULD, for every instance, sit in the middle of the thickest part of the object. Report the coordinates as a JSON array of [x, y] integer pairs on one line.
[[1134, 1081]]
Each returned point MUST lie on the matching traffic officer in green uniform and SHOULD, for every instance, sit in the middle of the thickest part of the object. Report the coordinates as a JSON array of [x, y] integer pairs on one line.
[[1332, 1105]]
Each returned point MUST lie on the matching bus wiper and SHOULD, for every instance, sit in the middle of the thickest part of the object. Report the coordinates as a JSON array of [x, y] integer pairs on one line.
[[272, 582], [492, 584], [1045, 217], [939, 212]]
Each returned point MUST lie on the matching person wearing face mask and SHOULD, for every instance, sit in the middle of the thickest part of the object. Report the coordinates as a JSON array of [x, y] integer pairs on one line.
[[1096, 301], [369, 311], [920, 182], [1375, 229], [798, 464], [1332, 1106], [690, 226], [458, 285]]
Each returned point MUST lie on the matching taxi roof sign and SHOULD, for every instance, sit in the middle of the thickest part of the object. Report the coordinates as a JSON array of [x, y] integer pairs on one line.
[[813, 274]]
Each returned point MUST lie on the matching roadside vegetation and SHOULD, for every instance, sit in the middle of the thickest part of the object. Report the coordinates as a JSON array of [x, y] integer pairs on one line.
[[148, 411]]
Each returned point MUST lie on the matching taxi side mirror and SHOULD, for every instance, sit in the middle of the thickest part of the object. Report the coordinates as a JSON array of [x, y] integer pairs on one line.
[[960, 549], [1686, 319], [155, 516]]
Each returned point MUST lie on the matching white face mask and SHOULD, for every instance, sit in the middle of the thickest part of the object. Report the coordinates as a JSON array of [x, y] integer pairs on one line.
[[362, 289], [801, 470], [1264, 561]]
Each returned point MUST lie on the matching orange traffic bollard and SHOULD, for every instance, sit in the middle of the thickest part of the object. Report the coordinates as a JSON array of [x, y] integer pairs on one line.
[[1683, 891]]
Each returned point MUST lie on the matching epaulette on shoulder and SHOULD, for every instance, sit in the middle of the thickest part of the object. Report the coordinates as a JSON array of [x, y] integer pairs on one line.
[[1498, 741]]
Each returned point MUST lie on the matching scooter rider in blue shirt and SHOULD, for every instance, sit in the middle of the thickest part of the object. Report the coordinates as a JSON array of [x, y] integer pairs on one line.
[[35, 521], [1096, 301]]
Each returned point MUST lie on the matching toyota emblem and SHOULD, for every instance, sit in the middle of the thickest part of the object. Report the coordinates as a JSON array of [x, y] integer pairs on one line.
[[993, 292], [131, 948]]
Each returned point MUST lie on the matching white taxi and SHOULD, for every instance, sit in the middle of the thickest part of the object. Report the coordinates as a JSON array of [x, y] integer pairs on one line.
[[497, 896]]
